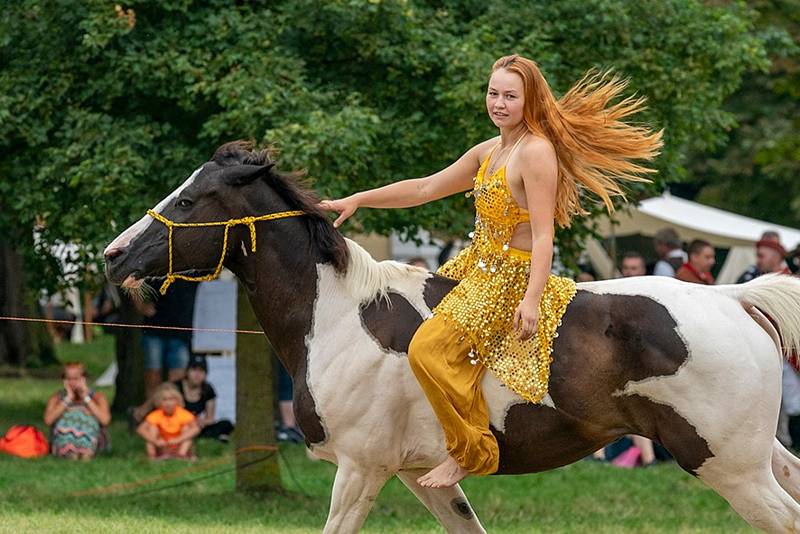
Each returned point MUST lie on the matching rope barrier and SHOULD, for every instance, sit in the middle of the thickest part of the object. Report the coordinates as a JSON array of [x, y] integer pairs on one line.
[[123, 486], [128, 325], [197, 479], [257, 448], [291, 473]]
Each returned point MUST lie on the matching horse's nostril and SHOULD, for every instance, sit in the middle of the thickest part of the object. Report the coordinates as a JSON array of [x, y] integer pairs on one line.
[[113, 253]]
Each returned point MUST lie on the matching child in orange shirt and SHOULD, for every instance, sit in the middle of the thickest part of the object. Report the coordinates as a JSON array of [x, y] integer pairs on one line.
[[169, 429]]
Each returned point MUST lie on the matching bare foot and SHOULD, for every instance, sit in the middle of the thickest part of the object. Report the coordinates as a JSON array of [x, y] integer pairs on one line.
[[445, 475]]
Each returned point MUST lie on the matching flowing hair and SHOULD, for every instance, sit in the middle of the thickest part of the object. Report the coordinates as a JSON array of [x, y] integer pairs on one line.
[[595, 149]]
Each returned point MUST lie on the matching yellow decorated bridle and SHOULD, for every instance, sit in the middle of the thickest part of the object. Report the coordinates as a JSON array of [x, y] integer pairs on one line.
[[249, 221]]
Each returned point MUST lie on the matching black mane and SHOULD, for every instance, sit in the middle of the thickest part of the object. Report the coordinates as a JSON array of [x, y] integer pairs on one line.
[[296, 191]]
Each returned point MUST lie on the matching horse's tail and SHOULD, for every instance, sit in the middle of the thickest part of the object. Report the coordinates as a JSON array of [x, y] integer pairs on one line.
[[778, 296]]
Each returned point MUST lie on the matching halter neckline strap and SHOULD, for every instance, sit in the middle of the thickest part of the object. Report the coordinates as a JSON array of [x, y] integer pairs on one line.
[[482, 176], [513, 149]]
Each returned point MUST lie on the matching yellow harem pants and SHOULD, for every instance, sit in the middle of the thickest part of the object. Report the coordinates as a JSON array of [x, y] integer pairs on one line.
[[440, 360]]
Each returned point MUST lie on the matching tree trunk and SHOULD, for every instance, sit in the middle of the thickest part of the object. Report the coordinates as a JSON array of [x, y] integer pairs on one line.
[[254, 406], [129, 384], [21, 343]]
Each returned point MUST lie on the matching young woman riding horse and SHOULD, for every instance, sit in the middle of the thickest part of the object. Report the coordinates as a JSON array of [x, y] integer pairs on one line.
[[505, 310]]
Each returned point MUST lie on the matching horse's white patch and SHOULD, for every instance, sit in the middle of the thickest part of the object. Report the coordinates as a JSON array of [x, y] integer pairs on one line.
[[547, 400], [136, 229], [345, 364], [499, 399], [244, 249]]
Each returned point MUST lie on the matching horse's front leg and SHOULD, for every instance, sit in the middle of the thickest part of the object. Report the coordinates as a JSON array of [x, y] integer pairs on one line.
[[448, 505], [354, 490]]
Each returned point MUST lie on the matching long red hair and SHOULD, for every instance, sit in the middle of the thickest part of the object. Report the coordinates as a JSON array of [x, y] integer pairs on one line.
[[596, 150]]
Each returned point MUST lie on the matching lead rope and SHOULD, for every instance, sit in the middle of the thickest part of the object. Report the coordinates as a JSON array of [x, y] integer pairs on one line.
[[249, 221]]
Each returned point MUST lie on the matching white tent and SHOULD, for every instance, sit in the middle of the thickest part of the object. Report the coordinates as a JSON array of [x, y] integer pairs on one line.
[[691, 220]]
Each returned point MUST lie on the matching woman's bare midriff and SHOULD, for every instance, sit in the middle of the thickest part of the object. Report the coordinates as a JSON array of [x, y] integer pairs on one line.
[[521, 238]]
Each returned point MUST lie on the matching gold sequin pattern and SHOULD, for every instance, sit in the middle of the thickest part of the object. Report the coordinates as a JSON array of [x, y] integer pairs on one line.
[[493, 278]]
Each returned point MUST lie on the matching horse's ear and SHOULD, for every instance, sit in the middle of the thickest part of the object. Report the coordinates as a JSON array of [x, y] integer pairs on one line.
[[245, 174]]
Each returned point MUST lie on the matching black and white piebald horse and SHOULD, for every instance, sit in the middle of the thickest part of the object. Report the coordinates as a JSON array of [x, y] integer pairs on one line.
[[695, 368]]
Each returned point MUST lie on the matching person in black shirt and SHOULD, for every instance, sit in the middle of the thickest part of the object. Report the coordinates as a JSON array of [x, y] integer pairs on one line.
[[199, 398]]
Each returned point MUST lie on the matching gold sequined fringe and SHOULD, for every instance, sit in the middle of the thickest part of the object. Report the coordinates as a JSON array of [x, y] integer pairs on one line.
[[523, 366]]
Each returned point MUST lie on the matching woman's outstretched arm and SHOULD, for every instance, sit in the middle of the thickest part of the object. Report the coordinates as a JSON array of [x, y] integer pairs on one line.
[[414, 192]]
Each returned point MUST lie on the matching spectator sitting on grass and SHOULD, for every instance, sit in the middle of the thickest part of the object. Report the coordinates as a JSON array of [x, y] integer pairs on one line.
[[76, 416], [168, 430], [199, 398]]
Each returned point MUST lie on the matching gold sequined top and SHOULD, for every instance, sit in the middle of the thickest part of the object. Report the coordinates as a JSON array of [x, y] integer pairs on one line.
[[493, 278]]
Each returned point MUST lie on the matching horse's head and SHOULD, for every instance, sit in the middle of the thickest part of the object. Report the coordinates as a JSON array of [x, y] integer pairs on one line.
[[237, 182]]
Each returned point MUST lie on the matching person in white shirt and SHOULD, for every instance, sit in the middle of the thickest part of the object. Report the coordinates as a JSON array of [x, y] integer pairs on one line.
[[670, 252]]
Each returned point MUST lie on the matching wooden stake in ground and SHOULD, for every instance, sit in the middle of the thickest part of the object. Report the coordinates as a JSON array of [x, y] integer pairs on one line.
[[254, 405], [129, 384]]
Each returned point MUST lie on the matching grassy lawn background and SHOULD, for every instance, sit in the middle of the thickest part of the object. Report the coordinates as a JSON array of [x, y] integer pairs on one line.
[[36, 495]]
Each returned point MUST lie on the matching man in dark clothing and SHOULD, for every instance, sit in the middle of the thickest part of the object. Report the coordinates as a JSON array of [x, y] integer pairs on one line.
[[167, 349], [633, 264], [770, 258]]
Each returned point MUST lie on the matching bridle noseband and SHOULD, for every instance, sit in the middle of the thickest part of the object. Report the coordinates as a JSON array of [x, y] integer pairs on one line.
[[249, 221]]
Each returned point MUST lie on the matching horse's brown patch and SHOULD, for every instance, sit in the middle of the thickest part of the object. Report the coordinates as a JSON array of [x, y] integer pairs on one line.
[[391, 321], [271, 287], [462, 508], [436, 287], [605, 341], [295, 190]]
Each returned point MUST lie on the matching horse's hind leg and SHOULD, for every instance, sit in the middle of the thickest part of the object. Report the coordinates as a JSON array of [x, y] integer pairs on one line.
[[737, 461], [786, 468], [756, 496], [354, 491], [742, 475], [448, 505]]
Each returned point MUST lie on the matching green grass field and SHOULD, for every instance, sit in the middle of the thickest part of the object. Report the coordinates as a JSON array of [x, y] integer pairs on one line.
[[38, 495]]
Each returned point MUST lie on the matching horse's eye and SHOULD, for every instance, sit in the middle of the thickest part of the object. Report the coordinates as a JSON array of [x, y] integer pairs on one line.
[[184, 203]]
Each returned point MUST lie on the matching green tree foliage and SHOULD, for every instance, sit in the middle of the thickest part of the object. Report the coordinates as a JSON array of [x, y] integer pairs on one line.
[[757, 171], [103, 108]]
